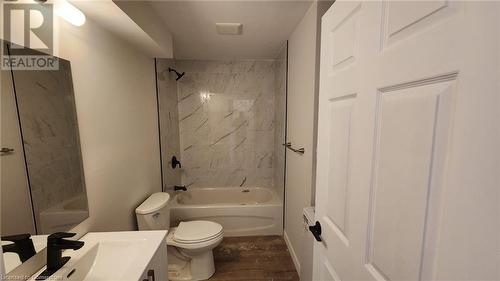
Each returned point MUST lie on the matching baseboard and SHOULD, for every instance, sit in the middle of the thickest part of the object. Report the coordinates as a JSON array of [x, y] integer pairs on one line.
[[295, 259]]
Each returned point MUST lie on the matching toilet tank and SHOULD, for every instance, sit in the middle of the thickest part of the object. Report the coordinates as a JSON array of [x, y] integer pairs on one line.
[[154, 212]]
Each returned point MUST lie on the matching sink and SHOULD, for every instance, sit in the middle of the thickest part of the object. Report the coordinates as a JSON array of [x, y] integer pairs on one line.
[[112, 256]]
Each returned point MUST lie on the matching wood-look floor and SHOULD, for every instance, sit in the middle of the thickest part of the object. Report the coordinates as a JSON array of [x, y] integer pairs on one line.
[[255, 258]]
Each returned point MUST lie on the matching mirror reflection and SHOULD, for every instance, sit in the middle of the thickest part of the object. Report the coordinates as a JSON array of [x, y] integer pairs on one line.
[[43, 186]]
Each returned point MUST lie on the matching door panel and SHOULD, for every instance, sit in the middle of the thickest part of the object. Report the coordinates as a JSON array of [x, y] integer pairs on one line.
[[408, 141], [411, 121], [338, 186], [337, 104], [402, 19], [342, 36]]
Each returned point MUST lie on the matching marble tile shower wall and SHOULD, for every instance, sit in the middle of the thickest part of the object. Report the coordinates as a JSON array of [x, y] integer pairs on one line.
[[169, 122], [226, 122], [51, 138]]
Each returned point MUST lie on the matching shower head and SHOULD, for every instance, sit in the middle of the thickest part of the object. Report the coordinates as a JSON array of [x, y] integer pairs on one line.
[[179, 75]]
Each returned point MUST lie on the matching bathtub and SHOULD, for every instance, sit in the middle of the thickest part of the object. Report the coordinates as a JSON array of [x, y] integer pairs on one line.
[[64, 215], [242, 211]]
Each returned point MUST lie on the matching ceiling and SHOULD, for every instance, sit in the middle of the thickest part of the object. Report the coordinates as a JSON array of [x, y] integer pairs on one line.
[[116, 20], [266, 26]]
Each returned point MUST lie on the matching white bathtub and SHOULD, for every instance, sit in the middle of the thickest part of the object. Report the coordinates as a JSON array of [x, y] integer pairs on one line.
[[242, 211], [65, 215]]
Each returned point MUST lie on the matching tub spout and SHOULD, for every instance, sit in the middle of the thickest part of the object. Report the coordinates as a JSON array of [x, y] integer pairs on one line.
[[180, 187]]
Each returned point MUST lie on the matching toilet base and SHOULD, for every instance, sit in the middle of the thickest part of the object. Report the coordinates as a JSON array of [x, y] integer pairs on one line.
[[184, 266], [202, 266], [182, 274]]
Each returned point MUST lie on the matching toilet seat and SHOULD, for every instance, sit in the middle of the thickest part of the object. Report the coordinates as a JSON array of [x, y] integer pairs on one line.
[[193, 232], [195, 235], [193, 246]]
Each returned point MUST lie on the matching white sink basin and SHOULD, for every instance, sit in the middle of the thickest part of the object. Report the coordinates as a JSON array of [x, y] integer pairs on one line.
[[111, 256]]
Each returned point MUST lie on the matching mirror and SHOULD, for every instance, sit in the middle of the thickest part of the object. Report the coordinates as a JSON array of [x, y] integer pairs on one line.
[[42, 183]]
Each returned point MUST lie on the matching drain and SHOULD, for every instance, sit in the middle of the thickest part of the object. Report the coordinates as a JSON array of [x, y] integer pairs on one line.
[[71, 273]]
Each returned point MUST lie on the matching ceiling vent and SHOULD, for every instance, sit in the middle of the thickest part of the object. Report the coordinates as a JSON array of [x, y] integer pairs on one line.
[[229, 28]]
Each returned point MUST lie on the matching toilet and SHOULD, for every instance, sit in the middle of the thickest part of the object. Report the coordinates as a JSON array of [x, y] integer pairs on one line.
[[189, 245]]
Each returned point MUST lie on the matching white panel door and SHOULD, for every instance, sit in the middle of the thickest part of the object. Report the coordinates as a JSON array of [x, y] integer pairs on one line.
[[408, 146]]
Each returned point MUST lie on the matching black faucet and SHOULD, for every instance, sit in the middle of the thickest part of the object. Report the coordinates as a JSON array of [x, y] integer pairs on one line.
[[55, 245], [180, 187], [22, 245]]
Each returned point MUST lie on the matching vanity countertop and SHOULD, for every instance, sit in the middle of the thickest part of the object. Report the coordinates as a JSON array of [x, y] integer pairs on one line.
[[111, 256]]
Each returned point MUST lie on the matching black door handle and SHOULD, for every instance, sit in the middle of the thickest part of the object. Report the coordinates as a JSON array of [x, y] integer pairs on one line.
[[316, 231]]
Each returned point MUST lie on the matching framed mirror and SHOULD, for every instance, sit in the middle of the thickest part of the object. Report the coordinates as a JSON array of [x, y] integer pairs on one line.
[[42, 183]]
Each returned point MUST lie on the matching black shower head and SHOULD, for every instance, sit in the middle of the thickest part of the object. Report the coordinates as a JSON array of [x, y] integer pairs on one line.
[[179, 75]]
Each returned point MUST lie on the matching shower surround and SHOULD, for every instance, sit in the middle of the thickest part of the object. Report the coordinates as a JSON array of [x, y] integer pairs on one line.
[[226, 122]]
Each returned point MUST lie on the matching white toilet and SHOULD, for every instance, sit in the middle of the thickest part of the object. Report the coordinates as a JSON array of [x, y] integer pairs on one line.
[[190, 244]]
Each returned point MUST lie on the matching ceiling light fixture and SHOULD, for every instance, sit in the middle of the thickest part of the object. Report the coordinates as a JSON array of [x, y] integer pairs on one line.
[[70, 13]]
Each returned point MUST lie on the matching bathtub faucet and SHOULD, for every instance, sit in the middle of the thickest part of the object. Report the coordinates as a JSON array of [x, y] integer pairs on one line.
[[180, 187]]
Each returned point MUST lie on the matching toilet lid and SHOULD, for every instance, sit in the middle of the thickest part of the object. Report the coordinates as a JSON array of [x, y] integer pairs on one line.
[[197, 231], [154, 203]]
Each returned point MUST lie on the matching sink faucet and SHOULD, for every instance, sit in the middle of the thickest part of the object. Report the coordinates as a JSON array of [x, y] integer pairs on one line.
[[22, 245], [180, 187], [55, 245]]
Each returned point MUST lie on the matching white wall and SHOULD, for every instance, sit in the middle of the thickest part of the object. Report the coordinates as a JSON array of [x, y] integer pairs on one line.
[[303, 73], [115, 98]]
